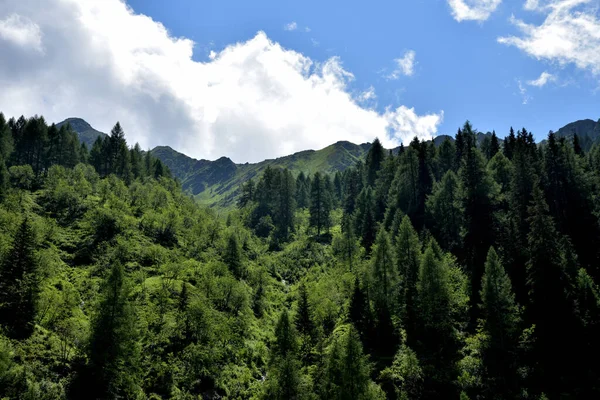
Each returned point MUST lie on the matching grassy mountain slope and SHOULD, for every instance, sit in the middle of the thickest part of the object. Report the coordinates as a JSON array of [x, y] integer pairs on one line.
[[217, 182], [87, 134]]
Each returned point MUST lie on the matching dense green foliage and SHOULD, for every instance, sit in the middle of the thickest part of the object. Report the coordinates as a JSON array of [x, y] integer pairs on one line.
[[465, 270]]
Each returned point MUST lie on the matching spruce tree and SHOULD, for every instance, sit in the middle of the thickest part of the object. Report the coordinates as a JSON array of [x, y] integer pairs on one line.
[[444, 212], [550, 307], [114, 352], [494, 146], [233, 257], [374, 160], [284, 377], [408, 260], [320, 204], [501, 320], [359, 313], [477, 194], [19, 284], [384, 289]]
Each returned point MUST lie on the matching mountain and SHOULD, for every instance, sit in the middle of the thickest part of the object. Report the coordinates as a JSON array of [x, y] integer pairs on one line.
[[587, 130], [87, 134], [217, 182]]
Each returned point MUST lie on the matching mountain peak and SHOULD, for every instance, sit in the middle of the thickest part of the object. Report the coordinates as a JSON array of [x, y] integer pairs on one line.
[[87, 134]]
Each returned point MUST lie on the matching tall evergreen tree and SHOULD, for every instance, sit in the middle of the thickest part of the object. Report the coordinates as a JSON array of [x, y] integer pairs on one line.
[[408, 260], [501, 320], [549, 292], [374, 161], [233, 257], [19, 284], [494, 146], [320, 204], [444, 212], [477, 193], [114, 351]]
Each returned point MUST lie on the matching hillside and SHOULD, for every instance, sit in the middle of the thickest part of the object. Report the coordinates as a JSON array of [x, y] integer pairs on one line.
[[588, 131], [217, 182], [87, 134]]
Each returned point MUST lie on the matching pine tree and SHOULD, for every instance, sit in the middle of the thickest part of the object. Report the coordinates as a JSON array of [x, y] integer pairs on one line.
[[384, 276], [320, 204], [284, 378], [374, 160], [347, 371], [6, 139], [19, 284], [114, 352], [233, 257], [501, 324], [436, 343], [356, 370], [549, 292], [303, 319], [444, 212], [349, 242], [477, 193], [494, 146], [509, 144], [247, 194], [304, 324], [408, 261], [384, 288], [302, 190], [359, 313], [365, 218], [446, 158], [286, 205]]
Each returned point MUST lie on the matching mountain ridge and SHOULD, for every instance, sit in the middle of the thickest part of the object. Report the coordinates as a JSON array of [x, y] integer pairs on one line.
[[217, 182]]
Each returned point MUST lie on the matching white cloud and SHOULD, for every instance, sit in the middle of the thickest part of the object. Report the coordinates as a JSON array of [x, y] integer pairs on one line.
[[473, 10], [544, 78], [404, 65], [292, 26], [404, 122], [307, 29], [523, 92], [21, 31], [570, 34], [531, 5], [367, 95], [250, 101]]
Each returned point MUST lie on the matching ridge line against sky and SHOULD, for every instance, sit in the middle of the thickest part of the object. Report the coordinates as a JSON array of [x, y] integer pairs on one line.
[[258, 80]]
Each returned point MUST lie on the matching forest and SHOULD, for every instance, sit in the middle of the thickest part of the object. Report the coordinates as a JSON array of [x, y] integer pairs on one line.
[[460, 271]]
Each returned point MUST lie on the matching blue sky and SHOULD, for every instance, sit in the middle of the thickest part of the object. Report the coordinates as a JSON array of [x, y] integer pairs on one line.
[[461, 68], [260, 79]]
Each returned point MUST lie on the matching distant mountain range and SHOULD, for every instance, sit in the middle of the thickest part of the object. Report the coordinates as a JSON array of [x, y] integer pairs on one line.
[[216, 183]]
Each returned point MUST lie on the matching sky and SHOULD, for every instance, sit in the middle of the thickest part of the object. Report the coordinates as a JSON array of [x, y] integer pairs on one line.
[[252, 80]]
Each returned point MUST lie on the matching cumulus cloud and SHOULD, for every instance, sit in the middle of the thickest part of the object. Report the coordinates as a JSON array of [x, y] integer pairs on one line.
[[250, 101], [473, 10], [570, 34], [544, 78], [404, 65], [21, 31], [292, 26], [405, 121]]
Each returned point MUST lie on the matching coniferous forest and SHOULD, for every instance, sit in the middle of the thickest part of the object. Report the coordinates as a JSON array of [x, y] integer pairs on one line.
[[460, 271]]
